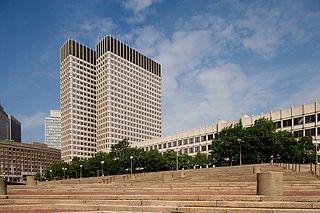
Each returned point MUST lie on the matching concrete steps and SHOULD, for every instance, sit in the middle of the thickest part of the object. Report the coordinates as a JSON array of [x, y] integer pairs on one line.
[[229, 189]]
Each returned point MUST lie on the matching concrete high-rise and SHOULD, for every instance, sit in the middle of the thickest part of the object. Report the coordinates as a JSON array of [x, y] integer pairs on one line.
[[52, 127], [107, 95], [128, 95], [78, 101]]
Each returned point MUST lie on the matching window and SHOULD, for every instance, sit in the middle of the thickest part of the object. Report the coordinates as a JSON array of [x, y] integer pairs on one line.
[[164, 145], [318, 130], [185, 141], [197, 149], [191, 140], [169, 144], [159, 146], [298, 121], [319, 117], [310, 132], [277, 124], [191, 150], [203, 148], [209, 147], [210, 137], [179, 142], [203, 138], [287, 123], [298, 134], [310, 119], [197, 140], [185, 151], [174, 143]]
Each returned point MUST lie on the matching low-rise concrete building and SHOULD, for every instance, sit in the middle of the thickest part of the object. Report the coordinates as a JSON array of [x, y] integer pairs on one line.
[[303, 120], [18, 159]]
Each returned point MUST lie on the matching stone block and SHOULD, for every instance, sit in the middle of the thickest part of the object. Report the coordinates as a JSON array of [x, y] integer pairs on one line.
[[3, 186], [256, 169], [31, 181], [270, 183]]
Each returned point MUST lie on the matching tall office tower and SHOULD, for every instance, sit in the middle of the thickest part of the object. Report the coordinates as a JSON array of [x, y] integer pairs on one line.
[[128, 95], [124, 87], [52, 127], [14, 129], [10, 127], [4, 124], [78, 101]]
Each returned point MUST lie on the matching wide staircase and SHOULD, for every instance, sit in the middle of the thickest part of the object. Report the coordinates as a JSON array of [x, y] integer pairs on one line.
[[223, 189]]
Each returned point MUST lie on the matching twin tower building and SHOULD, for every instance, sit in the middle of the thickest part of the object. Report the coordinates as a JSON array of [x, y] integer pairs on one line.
[[107, 95]]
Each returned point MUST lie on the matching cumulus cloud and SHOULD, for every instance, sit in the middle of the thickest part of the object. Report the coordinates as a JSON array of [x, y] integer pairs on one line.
[[139, 9], [32, 121], [269, 26], [91, 30]]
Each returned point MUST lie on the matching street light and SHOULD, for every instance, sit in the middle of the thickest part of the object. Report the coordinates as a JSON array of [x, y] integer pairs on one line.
[[64, 172], [131, 157], [51, 174], [81, 171], [177, 159], [102, 162], [316, 142], [240, 141]]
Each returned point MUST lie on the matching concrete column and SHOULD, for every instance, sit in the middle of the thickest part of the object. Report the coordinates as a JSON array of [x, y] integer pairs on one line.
[[31, 181], [207, 166], [270, 183], [3, 186], [200, 167], [182, 173], [194, 167], [256, 169]]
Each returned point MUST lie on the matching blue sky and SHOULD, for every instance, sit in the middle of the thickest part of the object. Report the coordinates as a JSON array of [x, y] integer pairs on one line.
[[219, 58]]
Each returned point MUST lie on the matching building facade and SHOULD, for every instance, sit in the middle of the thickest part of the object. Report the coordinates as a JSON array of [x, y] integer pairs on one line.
[[303, 120], [18, 159], [78, 101], [53, 129], [14, 129], [107, 95], [4, 124], [128, 95], [10, 127]]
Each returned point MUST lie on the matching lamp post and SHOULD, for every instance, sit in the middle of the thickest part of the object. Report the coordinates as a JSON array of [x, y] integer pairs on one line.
[[316, 142], [64, 172], [131, 157], [81, 171], [177, 159], [240, 158], [51, 174], [102, 163]]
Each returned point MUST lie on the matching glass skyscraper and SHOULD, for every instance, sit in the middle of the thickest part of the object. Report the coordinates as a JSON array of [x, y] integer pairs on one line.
[[53, 129]]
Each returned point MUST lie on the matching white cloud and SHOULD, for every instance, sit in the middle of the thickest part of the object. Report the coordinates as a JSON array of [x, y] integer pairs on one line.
[[267, 27], [90, 30], [139, 8], [32, 121]]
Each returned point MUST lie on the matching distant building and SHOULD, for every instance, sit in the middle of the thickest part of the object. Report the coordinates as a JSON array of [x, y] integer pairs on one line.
[[4, 125], [14, 129], [53, 129], [19, 159], [302, 120], [10, 127]]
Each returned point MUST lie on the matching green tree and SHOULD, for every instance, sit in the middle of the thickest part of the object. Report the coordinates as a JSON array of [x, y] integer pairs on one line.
[[200, 160]]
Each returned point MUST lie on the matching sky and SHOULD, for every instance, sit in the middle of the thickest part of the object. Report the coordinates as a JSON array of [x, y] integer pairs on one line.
[[219, 58]]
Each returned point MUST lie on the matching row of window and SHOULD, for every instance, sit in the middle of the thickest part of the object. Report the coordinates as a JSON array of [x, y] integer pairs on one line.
[[297, 121]]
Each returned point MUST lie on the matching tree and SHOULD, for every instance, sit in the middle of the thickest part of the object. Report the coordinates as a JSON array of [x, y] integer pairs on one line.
[[200, 159]]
